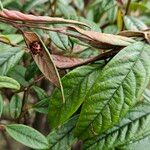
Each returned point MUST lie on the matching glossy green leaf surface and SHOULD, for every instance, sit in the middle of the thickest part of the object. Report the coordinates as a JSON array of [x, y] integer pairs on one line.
[[76, 84], [116, 90], [15, 106], [134, 127], [41, 94], [27, 136], [41, 106], [135, 24], [61, 41], [6, 82], [62, 138], [9, 57]]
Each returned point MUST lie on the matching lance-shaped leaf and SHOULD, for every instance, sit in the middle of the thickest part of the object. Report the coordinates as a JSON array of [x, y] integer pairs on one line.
[[15, 106], [6, 82], [116, 90], [69, 62], [40, 93], [143, 34], [62, 138], [134, 24], [18, 16], [100, 40], [76, 85], [41, 106], [43, 59], [27, 136], [134, 127], [9, 57]]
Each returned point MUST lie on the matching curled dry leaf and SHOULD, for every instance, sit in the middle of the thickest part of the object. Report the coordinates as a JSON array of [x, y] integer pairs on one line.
[[63, 62], [99, 40], [18, 16], [43, 59], [144, 34]]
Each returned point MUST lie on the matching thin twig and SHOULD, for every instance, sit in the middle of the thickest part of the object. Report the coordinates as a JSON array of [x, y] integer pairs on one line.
[[127, 7]]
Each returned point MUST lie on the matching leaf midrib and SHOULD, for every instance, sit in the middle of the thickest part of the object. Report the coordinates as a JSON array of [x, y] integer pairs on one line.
[[115, 90], [127, 124], [8, 58], [84, 78], [30, 137]]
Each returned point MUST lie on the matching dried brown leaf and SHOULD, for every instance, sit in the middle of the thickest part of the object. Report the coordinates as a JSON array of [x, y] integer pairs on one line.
[[63, 62], [18, 16], [43, 58], [144, 34], [101, 40]]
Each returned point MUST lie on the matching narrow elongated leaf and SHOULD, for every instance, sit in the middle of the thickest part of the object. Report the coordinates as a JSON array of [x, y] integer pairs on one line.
[[69, 62], [133, 128], [43, 59], [30, 4], [112, 13], [31, 68], [9, 57], [27, 136], [143, 34], [5, 39], [18, 73], [41, 94], [41, 106], [134, 24], [6, 82], [76, 84], [60, 40], [101, 40], [62, 138], [1, 105], [116, 90], [18, 16], [15, 106]]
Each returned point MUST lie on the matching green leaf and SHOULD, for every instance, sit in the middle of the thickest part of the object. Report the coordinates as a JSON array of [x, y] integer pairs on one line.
[[67, 11], [41, 94], [15, 38], [31, 71], [15, 106], [138, 145], [146, 95], [76, 84], [117, 89], [134, 127], [134, 24], [18, 73], [9, 57], [32, 3], [44, 60], [111, 29], [62, 138], [112, 12], [60, 40], [41, 106], [6, 82], [79, 4], [1, 105], [27, 136]]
